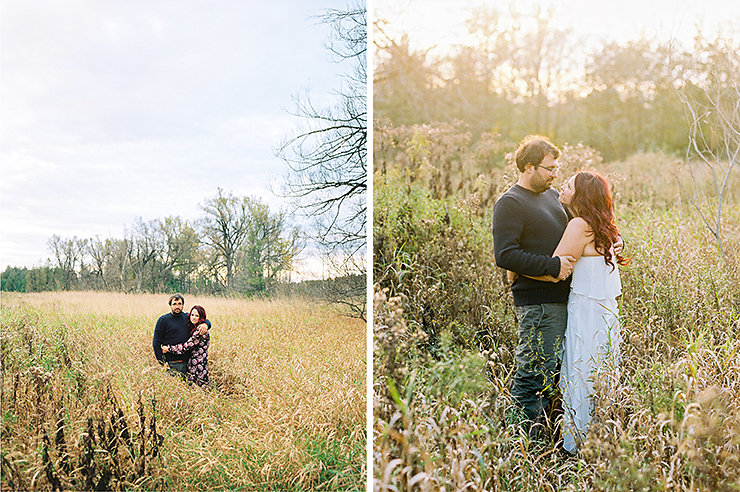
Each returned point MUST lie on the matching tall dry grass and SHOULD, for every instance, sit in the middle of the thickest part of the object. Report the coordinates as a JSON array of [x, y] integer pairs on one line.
[[85, 405], [667, 419]]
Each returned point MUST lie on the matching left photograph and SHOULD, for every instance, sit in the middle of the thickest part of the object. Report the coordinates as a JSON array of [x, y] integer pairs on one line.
[[183, 263]]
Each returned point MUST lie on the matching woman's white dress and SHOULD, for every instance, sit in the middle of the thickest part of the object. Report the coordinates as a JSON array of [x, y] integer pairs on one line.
[[591, 345]]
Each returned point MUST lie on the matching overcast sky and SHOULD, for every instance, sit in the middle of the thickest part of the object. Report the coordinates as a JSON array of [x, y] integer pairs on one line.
[[113, 110]]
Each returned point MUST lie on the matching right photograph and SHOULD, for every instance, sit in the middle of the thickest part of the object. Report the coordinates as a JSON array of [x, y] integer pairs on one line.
[[556, 245]]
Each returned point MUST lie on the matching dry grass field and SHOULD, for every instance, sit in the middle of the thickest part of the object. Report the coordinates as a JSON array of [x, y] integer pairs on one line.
[[446, 337], [85, 405]]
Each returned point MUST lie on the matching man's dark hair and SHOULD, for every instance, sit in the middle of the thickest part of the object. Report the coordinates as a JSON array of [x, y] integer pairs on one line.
[[177, 296], [532, 150]]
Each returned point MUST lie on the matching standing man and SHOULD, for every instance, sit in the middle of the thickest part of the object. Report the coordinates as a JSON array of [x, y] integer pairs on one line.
[[172, 329], [528, 222]]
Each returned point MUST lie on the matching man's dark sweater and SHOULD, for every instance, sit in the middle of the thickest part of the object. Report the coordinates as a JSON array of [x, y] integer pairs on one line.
[[527, 227], [171, 330]]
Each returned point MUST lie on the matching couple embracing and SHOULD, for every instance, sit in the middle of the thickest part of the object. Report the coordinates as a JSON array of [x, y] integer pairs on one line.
[[561, 251], [181, 341]]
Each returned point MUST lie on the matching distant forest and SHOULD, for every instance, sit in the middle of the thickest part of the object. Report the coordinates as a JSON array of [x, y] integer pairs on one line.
[[238, 246], [522, 74]]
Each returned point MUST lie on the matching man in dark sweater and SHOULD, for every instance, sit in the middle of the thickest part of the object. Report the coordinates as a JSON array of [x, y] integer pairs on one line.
[[172, 329], [528, 222]]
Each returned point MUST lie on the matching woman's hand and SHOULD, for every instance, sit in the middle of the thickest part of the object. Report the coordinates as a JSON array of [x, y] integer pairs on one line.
[[511, 276], [165, 349], [202, 329]]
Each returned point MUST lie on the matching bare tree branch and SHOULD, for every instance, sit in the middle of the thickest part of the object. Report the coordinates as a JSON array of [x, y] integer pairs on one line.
[[328, 159]]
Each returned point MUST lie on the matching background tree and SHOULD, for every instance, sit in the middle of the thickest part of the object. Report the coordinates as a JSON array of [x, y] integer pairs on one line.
[[518, 73], [402, 80], [328, 158], [146, 248], [270, 249], [100, 252], [13, 279], [225, 228], [712, 102], [239, 245], [67, 255], [632, 105], [45, 279], [119, 271], [180, 253]]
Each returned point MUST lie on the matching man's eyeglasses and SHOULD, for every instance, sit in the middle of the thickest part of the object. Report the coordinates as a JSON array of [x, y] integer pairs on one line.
[[551, 169]]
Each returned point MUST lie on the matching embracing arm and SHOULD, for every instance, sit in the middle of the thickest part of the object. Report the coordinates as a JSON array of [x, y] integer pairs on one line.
[[576, 237], [195, 340], [508, 252]]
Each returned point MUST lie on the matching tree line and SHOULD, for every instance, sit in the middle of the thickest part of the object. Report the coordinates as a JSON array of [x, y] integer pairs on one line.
[[522, 73], [237, 245]]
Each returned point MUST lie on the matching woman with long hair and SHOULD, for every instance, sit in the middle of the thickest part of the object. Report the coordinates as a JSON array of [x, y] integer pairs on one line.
[[197, 370], [593, 332]]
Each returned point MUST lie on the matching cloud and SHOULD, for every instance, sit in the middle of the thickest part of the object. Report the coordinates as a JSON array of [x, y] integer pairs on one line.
[[117, 110]]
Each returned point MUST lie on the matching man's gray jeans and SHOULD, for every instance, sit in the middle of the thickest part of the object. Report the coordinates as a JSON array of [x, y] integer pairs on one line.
[[177, 368], [538, 356]]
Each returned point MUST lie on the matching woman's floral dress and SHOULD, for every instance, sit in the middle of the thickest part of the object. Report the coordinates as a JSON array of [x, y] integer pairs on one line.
[[198, 361]]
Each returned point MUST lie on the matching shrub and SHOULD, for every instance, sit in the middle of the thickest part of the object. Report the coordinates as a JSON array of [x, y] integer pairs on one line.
[[438, 255]]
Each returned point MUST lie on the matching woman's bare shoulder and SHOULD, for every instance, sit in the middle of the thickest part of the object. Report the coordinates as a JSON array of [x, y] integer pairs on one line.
[[578, 224], [579, 229]]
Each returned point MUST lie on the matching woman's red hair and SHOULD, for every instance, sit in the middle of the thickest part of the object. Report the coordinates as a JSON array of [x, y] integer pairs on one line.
[[592, 201], [201, 313]]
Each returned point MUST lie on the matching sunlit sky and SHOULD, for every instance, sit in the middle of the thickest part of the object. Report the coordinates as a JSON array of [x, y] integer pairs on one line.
[[440, 24], [113, 110]]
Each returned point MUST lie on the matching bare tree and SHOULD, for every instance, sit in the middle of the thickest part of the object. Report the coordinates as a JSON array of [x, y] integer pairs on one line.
[[270, 248], [119, 269], [101, 252], [180, 254], [328, 158], [145, 252], [225, 229], [712, 104], [68, 256]]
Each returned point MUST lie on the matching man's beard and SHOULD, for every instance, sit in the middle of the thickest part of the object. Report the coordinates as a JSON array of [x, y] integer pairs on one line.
[[540, 186]]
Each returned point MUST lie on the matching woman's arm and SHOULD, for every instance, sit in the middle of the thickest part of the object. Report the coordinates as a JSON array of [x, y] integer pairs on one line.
[[576, 237], [195, 340]]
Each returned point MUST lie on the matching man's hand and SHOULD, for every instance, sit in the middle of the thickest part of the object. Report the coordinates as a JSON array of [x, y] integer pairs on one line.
[[165, 349], [566, 266], [619, 245], [202, 329]]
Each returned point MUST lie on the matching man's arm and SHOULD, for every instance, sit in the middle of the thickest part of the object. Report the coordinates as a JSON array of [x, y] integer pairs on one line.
[[619, 245], [157, 340], [507, 230], [204, 327]]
